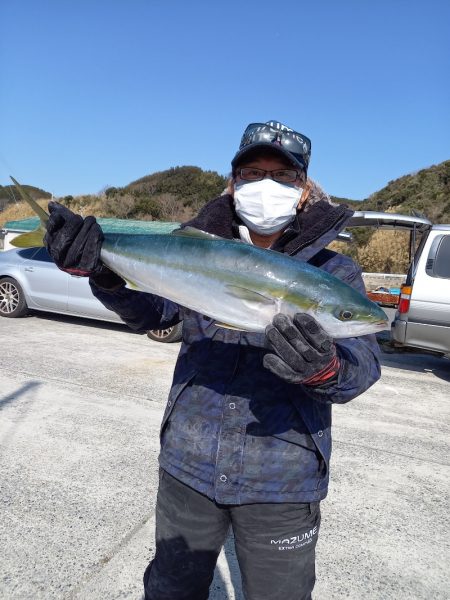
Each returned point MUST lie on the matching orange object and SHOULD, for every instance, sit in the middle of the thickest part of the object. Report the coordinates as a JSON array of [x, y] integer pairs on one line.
[[384, 298]]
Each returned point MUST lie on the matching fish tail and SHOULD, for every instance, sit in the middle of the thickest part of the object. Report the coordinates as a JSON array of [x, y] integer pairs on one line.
[[36, 237]]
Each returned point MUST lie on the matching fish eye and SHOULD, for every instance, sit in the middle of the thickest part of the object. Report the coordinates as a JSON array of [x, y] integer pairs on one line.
[[345, 315]]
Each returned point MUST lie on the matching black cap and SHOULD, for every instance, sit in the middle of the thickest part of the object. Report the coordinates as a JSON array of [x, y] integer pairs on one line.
[[294, 146]]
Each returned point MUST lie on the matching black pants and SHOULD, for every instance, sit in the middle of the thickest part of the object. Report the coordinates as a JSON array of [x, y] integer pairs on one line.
[[275, 546]]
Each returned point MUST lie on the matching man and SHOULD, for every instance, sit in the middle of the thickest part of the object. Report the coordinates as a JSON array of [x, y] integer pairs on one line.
[[245, 438]]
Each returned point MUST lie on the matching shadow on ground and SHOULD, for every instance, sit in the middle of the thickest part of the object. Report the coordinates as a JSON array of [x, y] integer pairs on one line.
[[10, 398], [409, 359], [82, 321]]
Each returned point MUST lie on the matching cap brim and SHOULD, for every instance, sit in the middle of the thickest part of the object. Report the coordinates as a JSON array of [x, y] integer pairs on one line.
[[253, 148]]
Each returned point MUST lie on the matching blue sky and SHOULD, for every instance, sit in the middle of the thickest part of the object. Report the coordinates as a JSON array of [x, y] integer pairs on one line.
[[102, 92]]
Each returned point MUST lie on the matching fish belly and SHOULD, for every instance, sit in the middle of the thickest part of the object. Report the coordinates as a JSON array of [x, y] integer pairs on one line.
[[194, 290]]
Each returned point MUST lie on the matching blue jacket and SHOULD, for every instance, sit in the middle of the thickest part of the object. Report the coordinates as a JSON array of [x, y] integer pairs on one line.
[[231, 429]]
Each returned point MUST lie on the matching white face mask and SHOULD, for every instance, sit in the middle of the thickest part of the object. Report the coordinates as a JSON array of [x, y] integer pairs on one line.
[[266, 206]]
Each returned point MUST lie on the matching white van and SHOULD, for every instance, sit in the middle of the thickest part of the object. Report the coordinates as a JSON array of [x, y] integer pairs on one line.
[[423, 315], [422, 319]]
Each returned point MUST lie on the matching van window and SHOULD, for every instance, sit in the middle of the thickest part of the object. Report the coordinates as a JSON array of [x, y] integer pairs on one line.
[[412, 271], [438, 263]]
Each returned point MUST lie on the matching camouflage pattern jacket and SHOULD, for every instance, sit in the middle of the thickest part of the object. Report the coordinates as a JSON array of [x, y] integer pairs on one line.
[[231, 429]]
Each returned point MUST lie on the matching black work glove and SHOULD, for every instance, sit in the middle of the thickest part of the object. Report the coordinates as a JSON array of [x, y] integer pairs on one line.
[[305, 353], [74, 243]]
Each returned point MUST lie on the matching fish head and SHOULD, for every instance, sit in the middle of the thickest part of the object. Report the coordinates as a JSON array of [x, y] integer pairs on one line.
[[352, 316], [340, 309]]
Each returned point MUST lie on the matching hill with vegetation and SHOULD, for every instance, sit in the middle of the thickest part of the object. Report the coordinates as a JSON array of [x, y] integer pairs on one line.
[[424, 193], [173, 195], [10, 195]]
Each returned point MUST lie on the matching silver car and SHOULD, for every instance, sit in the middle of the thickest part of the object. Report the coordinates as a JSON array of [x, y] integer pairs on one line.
[[30, 280]]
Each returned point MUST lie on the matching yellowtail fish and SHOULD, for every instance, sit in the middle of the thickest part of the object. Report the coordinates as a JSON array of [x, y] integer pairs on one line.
[[237, 284]]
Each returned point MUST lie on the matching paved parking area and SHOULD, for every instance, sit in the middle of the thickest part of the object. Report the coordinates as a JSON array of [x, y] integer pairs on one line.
[[80, 407]]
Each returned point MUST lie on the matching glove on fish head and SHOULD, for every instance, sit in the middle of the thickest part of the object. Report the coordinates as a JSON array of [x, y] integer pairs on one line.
[[303, 351]]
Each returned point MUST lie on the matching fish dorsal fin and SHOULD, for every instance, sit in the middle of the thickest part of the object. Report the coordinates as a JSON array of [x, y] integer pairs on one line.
[[249, 295], [193, 232]]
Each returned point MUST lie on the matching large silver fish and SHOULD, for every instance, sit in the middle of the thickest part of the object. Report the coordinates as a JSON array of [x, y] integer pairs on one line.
[[236, 284]]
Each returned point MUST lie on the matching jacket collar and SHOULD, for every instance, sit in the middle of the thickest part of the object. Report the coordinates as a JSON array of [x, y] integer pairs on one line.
[[314, 227]]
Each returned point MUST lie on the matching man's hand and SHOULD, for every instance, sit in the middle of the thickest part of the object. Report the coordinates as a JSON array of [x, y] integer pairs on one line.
[[305, 353], [74, 243]]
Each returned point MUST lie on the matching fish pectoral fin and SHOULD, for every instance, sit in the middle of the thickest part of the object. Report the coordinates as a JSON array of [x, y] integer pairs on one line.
[[249, 295], [193, 232]]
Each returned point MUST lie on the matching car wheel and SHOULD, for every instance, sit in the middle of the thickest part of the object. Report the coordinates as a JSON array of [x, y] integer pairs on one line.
[[12, 299], [171, 334]]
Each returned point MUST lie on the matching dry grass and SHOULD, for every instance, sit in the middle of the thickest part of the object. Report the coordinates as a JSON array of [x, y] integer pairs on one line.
[[21, 210]]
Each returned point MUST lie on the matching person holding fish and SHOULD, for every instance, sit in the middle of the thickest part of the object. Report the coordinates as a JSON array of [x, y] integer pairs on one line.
[[246, 433]]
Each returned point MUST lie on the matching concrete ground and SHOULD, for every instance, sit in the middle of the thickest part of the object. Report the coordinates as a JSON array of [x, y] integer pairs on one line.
[[80, 407]]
